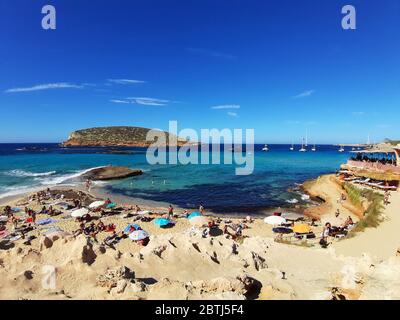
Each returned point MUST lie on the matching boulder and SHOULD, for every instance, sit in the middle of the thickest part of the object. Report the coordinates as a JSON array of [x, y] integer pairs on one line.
[[111, 173]]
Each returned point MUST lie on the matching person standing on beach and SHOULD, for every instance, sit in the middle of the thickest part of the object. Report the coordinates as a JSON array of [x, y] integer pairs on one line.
[[324, 235], [88, 184], [201, 209], [170, 211]]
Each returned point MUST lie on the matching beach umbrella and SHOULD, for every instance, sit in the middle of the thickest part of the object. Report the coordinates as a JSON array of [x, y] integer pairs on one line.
[[138, 235], [199, 221], [283, 230], [162, 222], [194, 214], [302, 228], [97, 204], [131, 227], [79, 212], [274, 220], [111, 205]]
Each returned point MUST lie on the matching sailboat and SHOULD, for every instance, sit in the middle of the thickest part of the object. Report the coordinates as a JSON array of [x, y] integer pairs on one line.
[[314, 148], [292, 147], [306, 145], [341, 149], [302, 146], [265, 148]]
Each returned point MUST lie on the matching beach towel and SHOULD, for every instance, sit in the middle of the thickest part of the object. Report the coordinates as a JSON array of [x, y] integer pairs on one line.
[[45, 221]]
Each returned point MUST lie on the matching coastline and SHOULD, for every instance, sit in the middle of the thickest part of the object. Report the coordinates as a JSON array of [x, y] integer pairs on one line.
[[175, 257]]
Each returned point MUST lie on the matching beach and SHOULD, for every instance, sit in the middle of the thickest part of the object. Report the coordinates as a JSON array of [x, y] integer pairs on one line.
[[179, 263]]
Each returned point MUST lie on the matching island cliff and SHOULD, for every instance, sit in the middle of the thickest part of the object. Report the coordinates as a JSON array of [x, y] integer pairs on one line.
[[122, 136]]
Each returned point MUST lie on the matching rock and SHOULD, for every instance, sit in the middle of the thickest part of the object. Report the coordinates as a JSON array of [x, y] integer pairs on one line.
[[111, 173], [137, 286], [46, 243], [111, 277], [117, 136], [120, 287], [259, 262]]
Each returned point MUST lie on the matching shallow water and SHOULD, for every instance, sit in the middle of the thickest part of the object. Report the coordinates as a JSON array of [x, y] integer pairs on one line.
[[25, 166]]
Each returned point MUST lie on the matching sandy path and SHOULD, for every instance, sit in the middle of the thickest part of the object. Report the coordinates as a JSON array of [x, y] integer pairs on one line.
[[381, 242]]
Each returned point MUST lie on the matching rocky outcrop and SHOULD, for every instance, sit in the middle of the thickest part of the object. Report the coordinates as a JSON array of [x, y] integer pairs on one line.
[[115, 136], [111, 173]]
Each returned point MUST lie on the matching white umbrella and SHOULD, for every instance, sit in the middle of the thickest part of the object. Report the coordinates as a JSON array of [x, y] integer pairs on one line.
[[97, 204], [274, 220], [138, 235], [79, 213]]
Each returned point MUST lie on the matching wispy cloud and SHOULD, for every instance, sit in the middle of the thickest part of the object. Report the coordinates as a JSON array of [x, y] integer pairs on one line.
[[47, 86], [304, 94], [226, 106], [119, 101], [211, 53], [232, 114], [148, 101], [125, 81]]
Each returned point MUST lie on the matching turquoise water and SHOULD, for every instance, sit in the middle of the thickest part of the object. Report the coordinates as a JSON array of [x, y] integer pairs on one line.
[[26, 166]]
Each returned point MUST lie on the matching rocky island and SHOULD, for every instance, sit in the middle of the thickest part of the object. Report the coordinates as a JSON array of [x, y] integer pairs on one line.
[[120, 136], [111, 173]]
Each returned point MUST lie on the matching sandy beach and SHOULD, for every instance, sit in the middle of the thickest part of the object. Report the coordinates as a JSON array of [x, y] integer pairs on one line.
[[179, 263]]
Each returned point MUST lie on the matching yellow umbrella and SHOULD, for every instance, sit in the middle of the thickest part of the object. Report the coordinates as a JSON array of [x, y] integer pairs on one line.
[[302, 228]]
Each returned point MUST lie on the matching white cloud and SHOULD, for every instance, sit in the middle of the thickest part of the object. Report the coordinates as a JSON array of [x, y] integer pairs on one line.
[[232, 114], [211, 53], [47, 86], [148, 101], [119, 101], [226, 106], [125, 81], [304, 94]]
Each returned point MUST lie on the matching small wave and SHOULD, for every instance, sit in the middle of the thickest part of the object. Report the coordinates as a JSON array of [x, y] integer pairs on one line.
[[292, 201], [23, 173], [305, 197]]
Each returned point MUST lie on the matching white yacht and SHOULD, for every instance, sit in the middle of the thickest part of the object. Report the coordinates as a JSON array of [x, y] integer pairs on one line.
[[265, 148], [303, 149], [341, 149]]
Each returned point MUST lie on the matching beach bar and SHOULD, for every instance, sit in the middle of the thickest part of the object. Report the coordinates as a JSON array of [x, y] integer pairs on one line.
[[379, 165]]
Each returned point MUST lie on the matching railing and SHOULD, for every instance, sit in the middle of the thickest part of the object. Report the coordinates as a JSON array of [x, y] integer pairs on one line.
[[376, 166]]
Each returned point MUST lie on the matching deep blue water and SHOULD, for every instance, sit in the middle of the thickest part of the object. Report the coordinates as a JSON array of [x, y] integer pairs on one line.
[[23, 166]]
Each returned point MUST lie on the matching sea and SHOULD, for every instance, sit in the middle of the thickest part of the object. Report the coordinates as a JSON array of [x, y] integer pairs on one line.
[[274, 182]]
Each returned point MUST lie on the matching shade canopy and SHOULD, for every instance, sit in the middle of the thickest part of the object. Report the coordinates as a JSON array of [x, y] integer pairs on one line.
[[79, 212], [97, 204], [274, 220], [302, 228], [138, 235]]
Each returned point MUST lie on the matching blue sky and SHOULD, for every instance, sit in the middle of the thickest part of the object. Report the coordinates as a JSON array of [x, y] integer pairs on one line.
[[280, 67]]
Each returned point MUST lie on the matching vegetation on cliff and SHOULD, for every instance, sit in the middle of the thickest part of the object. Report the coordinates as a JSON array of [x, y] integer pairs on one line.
[[112, 136]]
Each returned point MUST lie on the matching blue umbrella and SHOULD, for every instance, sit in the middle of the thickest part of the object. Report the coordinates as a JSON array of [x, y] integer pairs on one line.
[[162, 222], [131, 226], [194, 214], [111, 205]]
